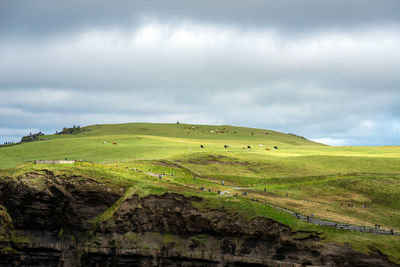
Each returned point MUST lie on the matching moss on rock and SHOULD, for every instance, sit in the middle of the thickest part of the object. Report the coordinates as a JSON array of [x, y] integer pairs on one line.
[[6, 226]]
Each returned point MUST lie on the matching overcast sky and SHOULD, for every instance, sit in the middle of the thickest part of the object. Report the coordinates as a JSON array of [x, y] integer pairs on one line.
[[326, 70]]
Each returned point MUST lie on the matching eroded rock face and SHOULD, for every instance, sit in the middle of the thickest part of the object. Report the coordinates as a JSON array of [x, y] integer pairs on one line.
[[43, 201], [261, 241], [55, 215], [173, 213]]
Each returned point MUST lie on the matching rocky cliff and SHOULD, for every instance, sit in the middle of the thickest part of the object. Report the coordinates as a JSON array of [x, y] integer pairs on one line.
[[49, 220]]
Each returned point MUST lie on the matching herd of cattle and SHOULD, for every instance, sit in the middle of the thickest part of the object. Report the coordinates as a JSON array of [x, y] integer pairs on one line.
[[218, 132], [114, 143], [225, 146], [224, 130], [248, 147]]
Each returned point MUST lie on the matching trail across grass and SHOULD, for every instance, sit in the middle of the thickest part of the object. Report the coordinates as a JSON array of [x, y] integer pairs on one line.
[[223, 190]]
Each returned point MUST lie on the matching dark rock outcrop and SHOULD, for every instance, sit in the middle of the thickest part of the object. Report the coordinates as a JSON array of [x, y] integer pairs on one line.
[[55, 214]]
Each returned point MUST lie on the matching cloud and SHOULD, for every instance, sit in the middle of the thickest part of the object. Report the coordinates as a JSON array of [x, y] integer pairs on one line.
[[16, 132], [331, 141], [193, 56], [47, 18], [396, 126], [303, 71]]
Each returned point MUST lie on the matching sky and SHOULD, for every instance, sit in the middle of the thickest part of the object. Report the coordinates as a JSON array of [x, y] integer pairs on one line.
[[325, 70]]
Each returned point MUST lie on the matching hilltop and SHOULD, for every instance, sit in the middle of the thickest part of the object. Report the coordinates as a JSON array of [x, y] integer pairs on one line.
[[144, 140]]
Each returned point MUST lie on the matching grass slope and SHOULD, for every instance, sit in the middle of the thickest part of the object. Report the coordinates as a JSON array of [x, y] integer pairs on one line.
[[318, 179], [142, 141], [117, 176]]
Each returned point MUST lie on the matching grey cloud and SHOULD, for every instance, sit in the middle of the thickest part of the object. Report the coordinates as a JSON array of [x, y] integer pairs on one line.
[[42, 18], [103, 60], [313, 116]]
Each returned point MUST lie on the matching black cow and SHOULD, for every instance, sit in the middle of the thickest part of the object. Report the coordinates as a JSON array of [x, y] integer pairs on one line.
[[201, 146], [275, 147], [248, 147]]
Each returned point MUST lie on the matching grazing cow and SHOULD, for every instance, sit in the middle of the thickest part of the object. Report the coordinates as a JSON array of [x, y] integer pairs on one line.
[[201, 146], [248, 147], [267, 148], [244, 147], [114, 143], [275, 147], [225, 146], [260, 145], [104, 142]]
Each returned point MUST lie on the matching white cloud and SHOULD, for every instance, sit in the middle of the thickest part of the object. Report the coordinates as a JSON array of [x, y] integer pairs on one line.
[[14, 132], [331, 141], [168, 55], [337, 84], [41, 96], [396, 126], [367, 125]]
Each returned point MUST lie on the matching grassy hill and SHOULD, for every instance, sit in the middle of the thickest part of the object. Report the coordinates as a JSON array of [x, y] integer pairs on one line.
[[145, 141], [300, 175]]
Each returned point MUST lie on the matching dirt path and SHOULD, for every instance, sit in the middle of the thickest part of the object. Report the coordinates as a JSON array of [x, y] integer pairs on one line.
[[311, 219], [308, 219]]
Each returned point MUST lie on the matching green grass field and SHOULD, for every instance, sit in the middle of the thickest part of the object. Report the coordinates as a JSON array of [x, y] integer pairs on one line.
[[317, 179]]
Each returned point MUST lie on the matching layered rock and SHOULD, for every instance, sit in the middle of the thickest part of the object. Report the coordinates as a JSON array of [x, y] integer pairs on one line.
[[55, 216]]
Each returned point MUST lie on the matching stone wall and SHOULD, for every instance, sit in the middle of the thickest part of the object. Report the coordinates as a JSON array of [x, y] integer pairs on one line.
[[54, 161]]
